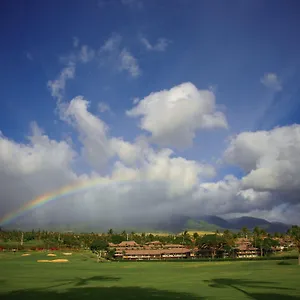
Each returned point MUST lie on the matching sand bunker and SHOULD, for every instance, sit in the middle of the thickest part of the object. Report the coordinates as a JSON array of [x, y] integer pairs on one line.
[[25, 254], [51, 254], [43, 260], [59, 260], [52, 261], [67, 253]]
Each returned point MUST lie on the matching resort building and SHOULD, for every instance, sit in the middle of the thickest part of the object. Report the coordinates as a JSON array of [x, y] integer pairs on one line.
[[245, 249], [151, 251]]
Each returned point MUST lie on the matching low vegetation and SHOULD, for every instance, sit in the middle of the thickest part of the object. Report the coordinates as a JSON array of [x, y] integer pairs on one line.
[[226, 244], [82, 277]]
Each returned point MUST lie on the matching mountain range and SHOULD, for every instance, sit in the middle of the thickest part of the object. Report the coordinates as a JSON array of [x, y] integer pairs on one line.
[[174, 224], [212, 223]]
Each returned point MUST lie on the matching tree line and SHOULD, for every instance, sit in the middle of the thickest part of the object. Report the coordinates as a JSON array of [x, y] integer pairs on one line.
[[43, 239]]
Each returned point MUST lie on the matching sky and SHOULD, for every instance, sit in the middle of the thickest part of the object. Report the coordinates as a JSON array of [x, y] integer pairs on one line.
[[181, 107]]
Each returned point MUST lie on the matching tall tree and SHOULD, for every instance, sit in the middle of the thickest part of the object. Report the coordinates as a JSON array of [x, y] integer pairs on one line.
[[98, 247], [211, 242], [132, 235], [229, 239], [258, 238], [117, 238], [185, 237], [258, 241], [294, 233], [195, 235], [245, 232], [276, 234], [268, 244]]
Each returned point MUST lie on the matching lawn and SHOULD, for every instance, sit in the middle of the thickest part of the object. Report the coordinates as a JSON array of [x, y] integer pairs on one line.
[[83, 278]]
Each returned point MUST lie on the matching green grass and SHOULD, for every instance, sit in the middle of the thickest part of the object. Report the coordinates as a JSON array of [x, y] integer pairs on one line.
[[289, 253], [83, 278]]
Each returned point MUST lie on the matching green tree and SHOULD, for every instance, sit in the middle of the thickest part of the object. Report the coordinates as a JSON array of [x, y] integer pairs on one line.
[[294, 233], [229, 239], [186, 239], [213, 242], [99, 247], [258, 238], [110, 231], [132, 235], [111, 253], [245, 232], [151, 237], [276, 234], [143, 237], [117, 238], [268, 244]]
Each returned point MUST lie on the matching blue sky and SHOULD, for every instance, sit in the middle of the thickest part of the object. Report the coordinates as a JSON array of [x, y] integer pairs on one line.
[[228, 46]]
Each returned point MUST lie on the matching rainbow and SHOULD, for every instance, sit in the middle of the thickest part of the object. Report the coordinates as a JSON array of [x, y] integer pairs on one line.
[[54, 195]]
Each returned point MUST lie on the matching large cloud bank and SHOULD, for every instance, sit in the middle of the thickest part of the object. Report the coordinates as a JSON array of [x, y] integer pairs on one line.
[[147, 181]]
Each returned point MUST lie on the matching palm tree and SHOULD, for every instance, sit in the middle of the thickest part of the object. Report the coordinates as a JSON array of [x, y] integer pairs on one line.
[[132, 234], [245, 232], [211, 242], [185, 236], [229, 239], [195, 235], [294, 233], [258, 235]]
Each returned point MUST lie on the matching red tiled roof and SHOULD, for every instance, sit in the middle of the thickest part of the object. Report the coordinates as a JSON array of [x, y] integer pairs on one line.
[[128, 243], [173, 246], [154, 243], [176, 251], [157, 251], [246, 248], [143, 252], [242, 241]]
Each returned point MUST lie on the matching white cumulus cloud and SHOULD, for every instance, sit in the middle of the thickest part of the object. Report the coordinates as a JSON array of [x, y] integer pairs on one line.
[[142, 183], [129, 63], [271, 81], [103, 107], [57, 86], [173, 116], [269, 158], [92, 132], [161, 44], [120, 57], [86, 54]]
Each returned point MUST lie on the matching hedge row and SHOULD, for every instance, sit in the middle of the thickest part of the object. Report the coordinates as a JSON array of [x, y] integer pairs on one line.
[[214, 260]]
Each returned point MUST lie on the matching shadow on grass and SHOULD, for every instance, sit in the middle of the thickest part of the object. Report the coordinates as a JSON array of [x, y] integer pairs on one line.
[[81, 281], [284, 263], [113, 293], [268, 296], [85, 281], [241, 284]]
